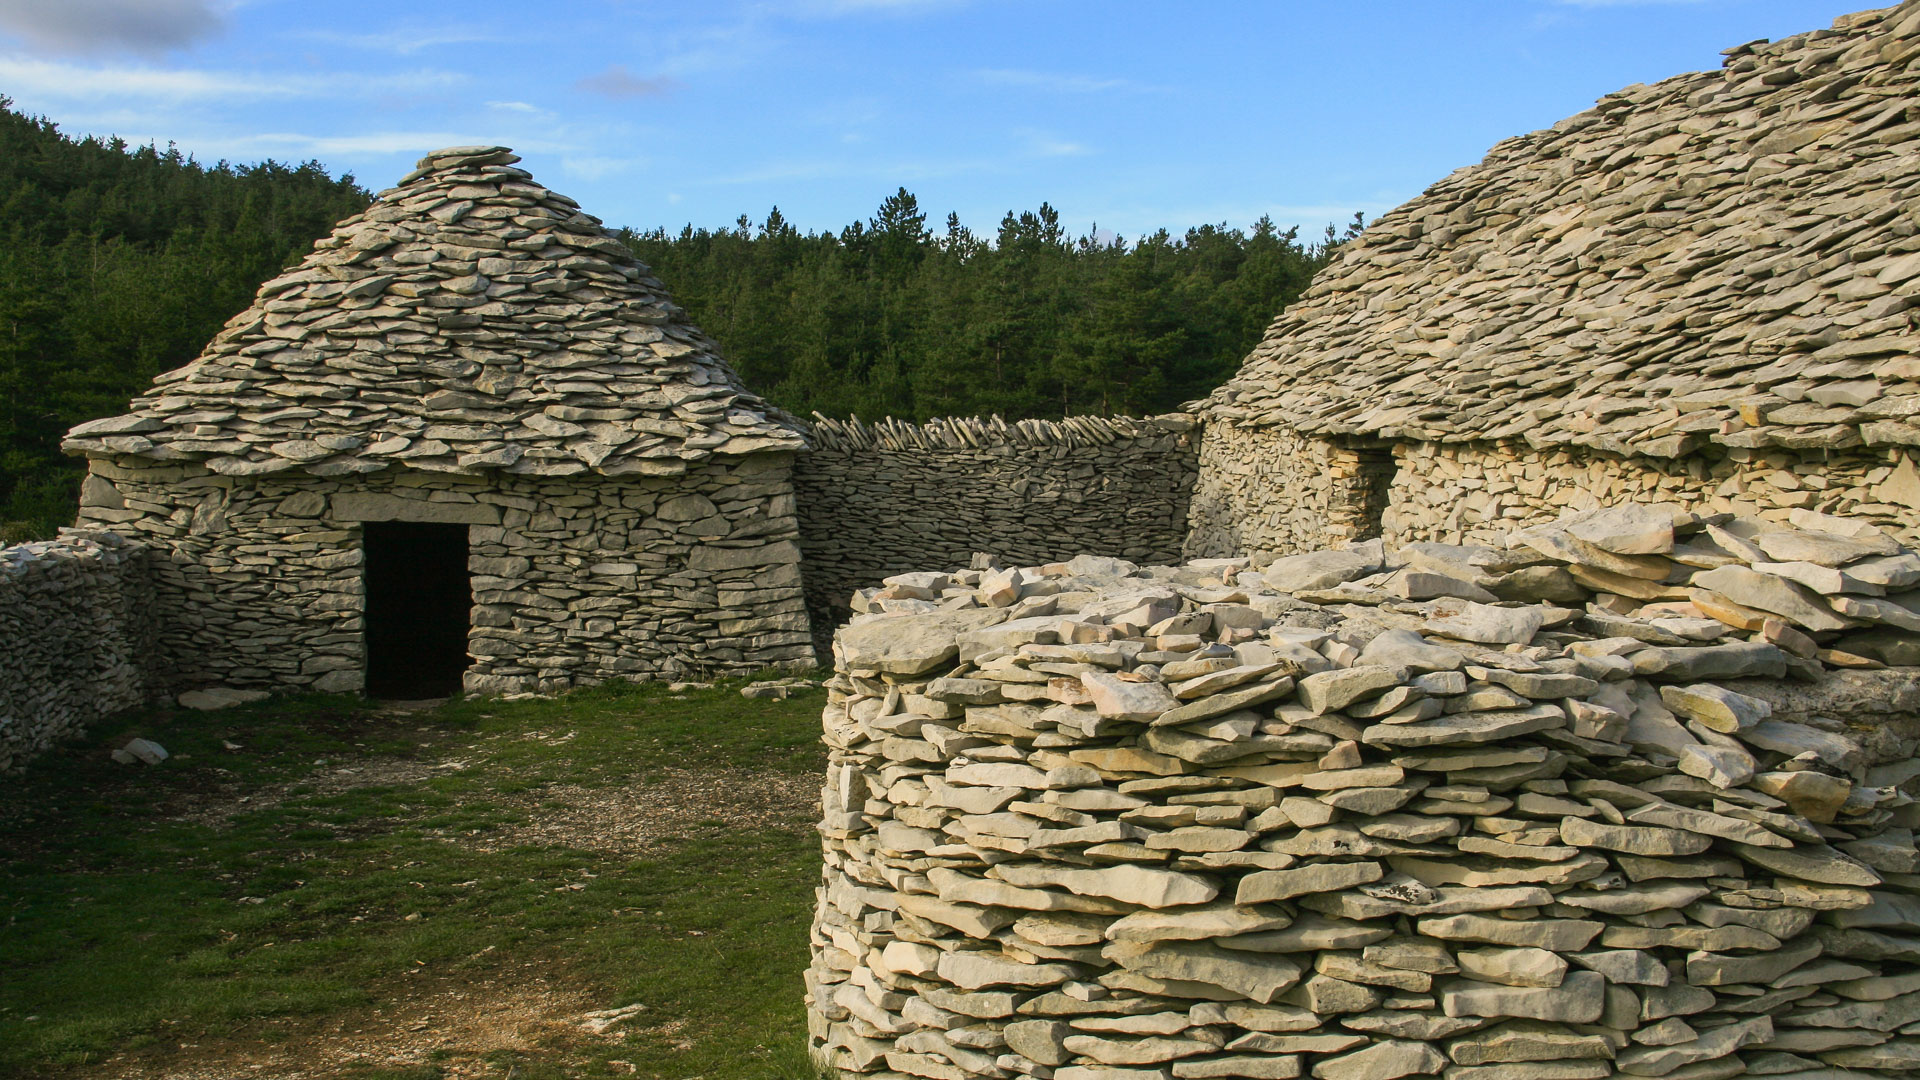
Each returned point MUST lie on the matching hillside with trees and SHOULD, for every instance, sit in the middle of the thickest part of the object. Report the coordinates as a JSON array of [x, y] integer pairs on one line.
[[119, 262]]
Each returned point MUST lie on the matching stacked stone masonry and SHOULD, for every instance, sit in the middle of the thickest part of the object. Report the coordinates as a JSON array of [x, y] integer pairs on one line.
[[891, 497], [76, 629], [1355, 817], [575, 581]]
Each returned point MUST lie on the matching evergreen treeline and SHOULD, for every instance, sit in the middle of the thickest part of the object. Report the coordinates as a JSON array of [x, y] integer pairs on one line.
[[119, 262], [887, 317]]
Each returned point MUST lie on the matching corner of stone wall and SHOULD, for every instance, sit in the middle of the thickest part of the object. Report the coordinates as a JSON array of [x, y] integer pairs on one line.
[[77, 630]]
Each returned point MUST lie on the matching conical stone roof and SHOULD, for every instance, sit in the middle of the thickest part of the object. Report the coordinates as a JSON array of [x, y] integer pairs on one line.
[[1725, 257], [469, 320]]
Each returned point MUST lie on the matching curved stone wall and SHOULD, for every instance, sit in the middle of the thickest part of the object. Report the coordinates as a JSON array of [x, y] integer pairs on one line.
[[1088, 823]]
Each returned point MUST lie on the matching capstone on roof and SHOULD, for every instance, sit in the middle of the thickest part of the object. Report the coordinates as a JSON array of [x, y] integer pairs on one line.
[[469, 320]]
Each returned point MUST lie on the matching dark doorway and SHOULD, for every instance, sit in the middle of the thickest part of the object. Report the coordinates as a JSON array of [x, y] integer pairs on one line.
[[419, 604]]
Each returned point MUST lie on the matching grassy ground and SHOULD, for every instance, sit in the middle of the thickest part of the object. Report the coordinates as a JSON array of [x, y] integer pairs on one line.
[[320, 887]]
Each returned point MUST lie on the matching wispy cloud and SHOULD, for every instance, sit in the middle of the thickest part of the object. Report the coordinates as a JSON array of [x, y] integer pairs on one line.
[[77, 82], [404, 40], [619, 83], [1057, 82], [1046, 144], [517, 107], [839, 8], [588, 167], [148, 27]]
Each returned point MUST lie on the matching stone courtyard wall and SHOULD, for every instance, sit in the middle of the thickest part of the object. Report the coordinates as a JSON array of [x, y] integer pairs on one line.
[[1113, 824], [891, 497], [575, 580], [76, 638], [1477, 493], [1266, 491]]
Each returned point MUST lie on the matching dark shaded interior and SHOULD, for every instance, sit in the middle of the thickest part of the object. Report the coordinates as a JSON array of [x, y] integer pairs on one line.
[[419, 605]]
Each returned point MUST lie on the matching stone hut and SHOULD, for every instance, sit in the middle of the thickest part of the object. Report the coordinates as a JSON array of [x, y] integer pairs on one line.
[[1700, 291], [468, 441]]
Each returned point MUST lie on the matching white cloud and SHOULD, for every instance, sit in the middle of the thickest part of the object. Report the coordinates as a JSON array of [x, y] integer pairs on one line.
[[404, 40], [1058, 83], [588, 167], [76, 82], [617, 82], [1044, 144], [517, 107], [150, 27]]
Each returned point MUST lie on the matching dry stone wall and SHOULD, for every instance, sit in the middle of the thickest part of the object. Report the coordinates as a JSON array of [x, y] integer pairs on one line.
[[1266, 490], [1091, 822], [77, 633], [1478, 492], [892, 497], [576, 580]]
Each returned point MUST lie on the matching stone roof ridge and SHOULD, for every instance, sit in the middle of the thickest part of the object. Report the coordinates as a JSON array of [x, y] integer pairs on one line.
[[974, 432], [470, 319], [1719, 257]]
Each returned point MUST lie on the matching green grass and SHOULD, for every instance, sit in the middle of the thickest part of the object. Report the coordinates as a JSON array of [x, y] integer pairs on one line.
[[126, 926]]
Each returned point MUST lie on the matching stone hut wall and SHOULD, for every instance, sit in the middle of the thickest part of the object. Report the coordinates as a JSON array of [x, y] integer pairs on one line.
[[576, 580], [1269, 491], [891, 497], [1176, 824], [1479, 492], [76, 635]]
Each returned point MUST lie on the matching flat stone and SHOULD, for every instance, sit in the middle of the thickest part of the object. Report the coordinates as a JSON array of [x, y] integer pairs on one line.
[[1388, 1059], [977, 970], [1559, 935], [1225, 702], [1260, 977], [1711, 1045], [1139, 885], [1527, 1040], [1117, 698], [1736, 660], [907, 644], [219, 697], [1826, 549], [1708, 969], [1635, 840], [1311, 933], [1810, 862], [1331, 691], [1195, 924], [1318, 570], [1407, 649], [1793, 602], [1270, 885], [1577, 1000], [1626, 967], [1724, 767], [1513, 967], [1467, 727], [1716, 706], [1041, 1041], [1240, 1067], [1489, 625], [1134, 1051], [1626, 529]]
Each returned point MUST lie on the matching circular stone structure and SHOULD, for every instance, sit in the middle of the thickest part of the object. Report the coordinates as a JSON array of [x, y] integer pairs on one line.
[[1094, 822]]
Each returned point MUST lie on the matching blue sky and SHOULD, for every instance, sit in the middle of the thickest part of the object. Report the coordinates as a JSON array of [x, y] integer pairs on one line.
[[1131, 115]]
